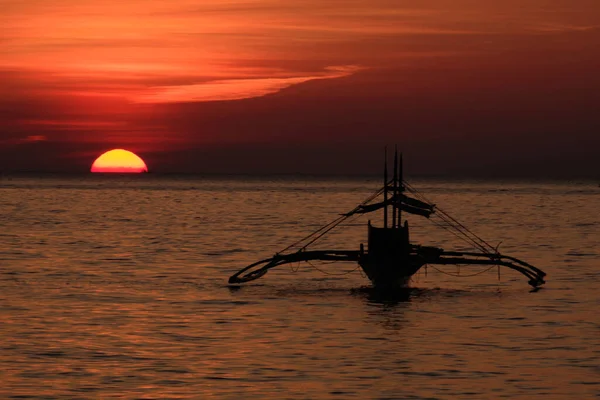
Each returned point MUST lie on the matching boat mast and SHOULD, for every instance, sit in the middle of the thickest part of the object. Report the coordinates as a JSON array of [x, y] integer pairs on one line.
[[395, 195], [385, 190], [401, 187]]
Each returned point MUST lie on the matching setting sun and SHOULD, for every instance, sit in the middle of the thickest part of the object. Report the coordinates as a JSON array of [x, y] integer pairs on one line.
[[119, 161]]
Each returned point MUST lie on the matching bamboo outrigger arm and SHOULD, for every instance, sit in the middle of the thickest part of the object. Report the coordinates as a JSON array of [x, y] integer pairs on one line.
[[441, 257], [422, 254], [259, 268]]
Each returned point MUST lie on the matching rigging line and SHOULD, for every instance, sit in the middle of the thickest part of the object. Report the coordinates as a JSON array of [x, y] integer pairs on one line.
[[295, 269], [328, 262], [312, 234], [462, 276], [414, 191], [466, 229], [328, 227], [324, 233], [328, 273], [469, 237], [460, 226], [321, 235], [340, 218], [333, 224], [352, 218], [452, 228], [456, 224], [460, 235], [454, 233]]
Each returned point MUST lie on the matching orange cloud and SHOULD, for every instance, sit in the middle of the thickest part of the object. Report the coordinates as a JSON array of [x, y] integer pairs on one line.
[[25, 140], [35, 138], [235, 89]]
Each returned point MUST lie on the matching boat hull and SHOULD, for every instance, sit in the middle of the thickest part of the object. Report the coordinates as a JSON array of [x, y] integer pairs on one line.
[[390, 274]]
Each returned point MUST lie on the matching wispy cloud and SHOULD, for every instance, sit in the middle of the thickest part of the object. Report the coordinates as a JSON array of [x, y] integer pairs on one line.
[[235, 89], [71, 125], [23, 140], [559, 28], [35, 138]]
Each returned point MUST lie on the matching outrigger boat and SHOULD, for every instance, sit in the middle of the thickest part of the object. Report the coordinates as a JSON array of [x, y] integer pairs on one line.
[[390, 259]]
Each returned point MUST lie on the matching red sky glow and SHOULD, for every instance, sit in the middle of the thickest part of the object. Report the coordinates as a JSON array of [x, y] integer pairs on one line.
[[264, 86]]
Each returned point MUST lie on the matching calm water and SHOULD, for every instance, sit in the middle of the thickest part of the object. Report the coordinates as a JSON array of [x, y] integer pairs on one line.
[[116, 288]]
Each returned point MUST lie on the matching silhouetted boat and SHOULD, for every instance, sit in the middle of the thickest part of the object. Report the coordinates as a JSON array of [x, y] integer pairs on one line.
[[390, 259]]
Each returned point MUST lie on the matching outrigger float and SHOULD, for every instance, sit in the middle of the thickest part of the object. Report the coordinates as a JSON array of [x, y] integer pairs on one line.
[[390, 259]]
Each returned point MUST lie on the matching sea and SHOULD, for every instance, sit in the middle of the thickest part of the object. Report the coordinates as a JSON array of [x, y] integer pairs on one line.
[[116, 287]]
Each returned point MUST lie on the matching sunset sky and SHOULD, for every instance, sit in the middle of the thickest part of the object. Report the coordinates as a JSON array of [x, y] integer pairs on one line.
[[476, 87]]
